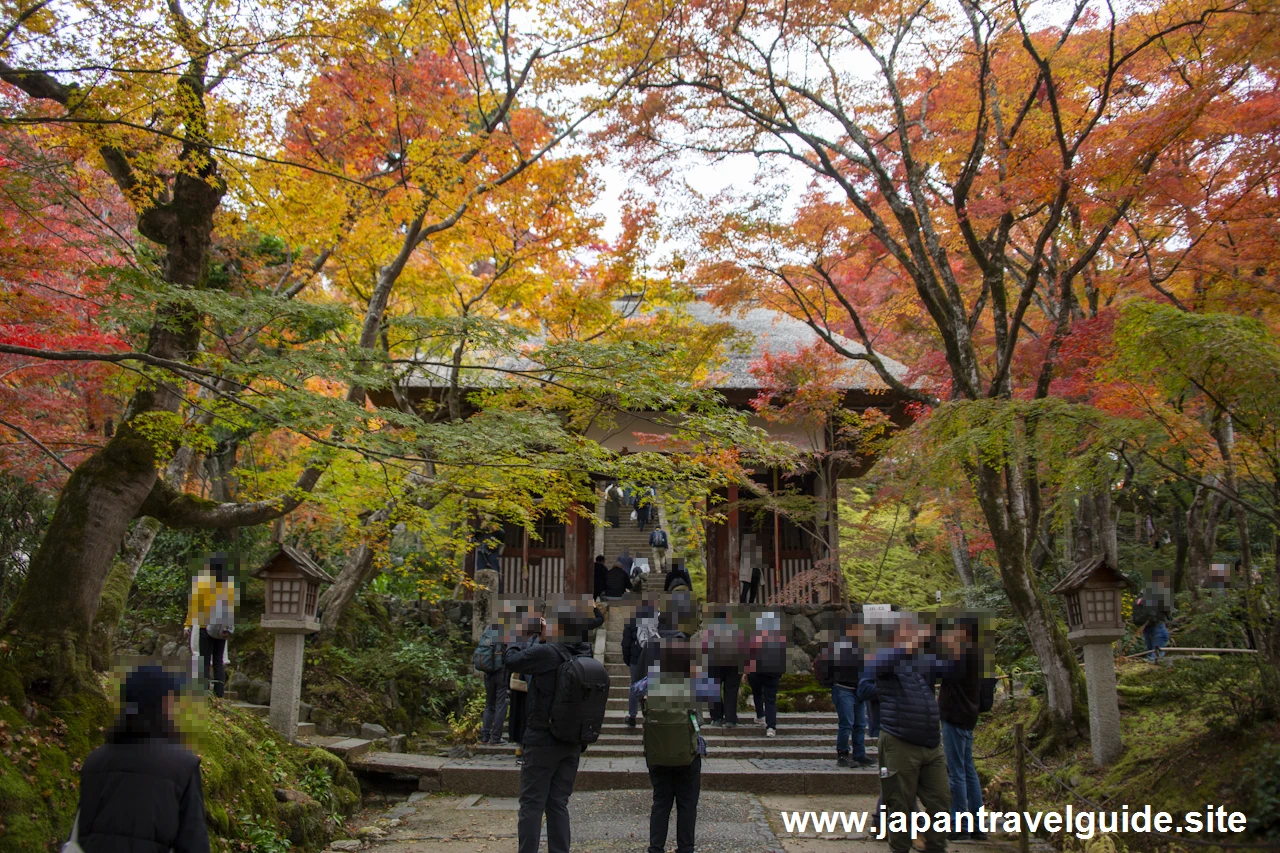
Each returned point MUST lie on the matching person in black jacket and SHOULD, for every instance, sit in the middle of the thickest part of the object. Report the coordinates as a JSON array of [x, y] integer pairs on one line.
[[140, 792], [642, 626], [616, 582], [677, 576], [550, 765], [912, 764], [600, 571], [959, 698]]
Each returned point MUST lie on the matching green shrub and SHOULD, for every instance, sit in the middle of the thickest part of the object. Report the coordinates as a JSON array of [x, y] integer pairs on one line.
[[1264, 777]]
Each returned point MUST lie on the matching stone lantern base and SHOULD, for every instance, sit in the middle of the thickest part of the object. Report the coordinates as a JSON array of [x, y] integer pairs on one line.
[[286, 675], [1104, 700]]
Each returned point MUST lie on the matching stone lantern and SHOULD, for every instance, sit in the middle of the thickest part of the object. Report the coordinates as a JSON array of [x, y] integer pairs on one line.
[[292, 597], [1092, 591]]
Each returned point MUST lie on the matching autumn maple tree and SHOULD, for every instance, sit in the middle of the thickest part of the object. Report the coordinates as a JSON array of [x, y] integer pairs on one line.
[[970, 163]]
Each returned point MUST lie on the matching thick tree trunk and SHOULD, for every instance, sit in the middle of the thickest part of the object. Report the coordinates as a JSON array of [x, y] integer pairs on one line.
[[1203, 517], [1065, 711]]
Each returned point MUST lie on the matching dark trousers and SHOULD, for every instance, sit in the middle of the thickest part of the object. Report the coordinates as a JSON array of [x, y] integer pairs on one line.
[[730, 679], [495, 705], [211, 665], [764, 695], [546, 781], [678, 785], [515, 722], [748, 592]]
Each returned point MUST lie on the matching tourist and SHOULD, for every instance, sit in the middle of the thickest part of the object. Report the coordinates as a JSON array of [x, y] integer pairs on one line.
[[599, 572], [748, 571], [640, 629], [487, 659], [490, 536], [529, 631], [550, 764], [766, 665], [644, 509], [912, 762], [141, 790], [626, 561], [959, 703], [612, 504], [678, 577], [658, 544], [211, 621], [1152, 612], [616, 583], [839, 668], [673, 749], [725, 649]]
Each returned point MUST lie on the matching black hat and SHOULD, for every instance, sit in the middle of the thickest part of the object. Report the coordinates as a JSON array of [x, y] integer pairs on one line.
[[147, 686]]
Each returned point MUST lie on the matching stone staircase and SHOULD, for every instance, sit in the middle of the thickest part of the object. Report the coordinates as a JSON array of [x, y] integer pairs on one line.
[[800, 760]]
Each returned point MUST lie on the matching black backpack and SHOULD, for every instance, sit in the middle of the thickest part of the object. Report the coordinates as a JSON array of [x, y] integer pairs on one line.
[[772, 659], [580, 698]]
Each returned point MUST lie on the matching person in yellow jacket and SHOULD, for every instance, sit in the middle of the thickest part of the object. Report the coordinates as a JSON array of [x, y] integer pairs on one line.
[[210, 615]]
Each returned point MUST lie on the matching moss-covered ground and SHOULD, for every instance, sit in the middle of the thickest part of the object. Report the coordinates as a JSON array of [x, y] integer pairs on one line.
[[262, 794], [1183, 749]]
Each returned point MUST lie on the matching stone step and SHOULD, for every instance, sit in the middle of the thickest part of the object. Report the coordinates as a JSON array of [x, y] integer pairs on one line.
[[306, 730], [751, 749], [258, 710], [750, 730], [499, 776], [349, 748], [746, 718]]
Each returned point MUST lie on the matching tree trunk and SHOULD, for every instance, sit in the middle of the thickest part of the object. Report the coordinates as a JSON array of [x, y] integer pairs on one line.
[[1065, 712], [358, 570], [115, 592], [1202, 533], [959, 546]]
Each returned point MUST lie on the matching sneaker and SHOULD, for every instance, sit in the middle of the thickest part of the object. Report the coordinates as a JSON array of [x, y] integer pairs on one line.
[[760, 721], [730, 725], [631, 722], [483, 740], [497, 742], [716, 724], [770, 732], [843, 760], [863, 761]]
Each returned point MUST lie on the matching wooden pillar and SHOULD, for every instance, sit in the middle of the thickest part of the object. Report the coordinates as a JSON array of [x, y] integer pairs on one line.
[[733, 537], [777, 541], [578, 538]]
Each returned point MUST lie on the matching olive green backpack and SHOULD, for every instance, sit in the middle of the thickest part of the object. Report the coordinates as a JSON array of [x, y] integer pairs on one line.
[[670, 737]]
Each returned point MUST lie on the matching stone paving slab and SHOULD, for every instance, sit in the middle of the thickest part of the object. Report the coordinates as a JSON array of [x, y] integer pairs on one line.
[[500, 776]]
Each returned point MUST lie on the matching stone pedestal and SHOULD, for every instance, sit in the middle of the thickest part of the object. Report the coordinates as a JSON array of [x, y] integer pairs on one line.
[[1104, 702], [286, 683]]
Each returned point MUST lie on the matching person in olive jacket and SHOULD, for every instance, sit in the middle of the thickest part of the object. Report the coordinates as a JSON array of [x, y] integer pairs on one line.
[[140, 792]]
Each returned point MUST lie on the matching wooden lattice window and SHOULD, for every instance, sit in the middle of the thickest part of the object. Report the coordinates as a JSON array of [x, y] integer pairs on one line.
[[313, 591], [1073, 609], [286, 597], [1100, 606]]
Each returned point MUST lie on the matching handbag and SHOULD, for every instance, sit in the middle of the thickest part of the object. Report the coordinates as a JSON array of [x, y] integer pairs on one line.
[[73, 845], [518, 684]]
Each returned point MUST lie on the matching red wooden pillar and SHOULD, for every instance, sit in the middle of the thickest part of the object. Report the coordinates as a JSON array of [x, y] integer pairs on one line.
[[578, 537]]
